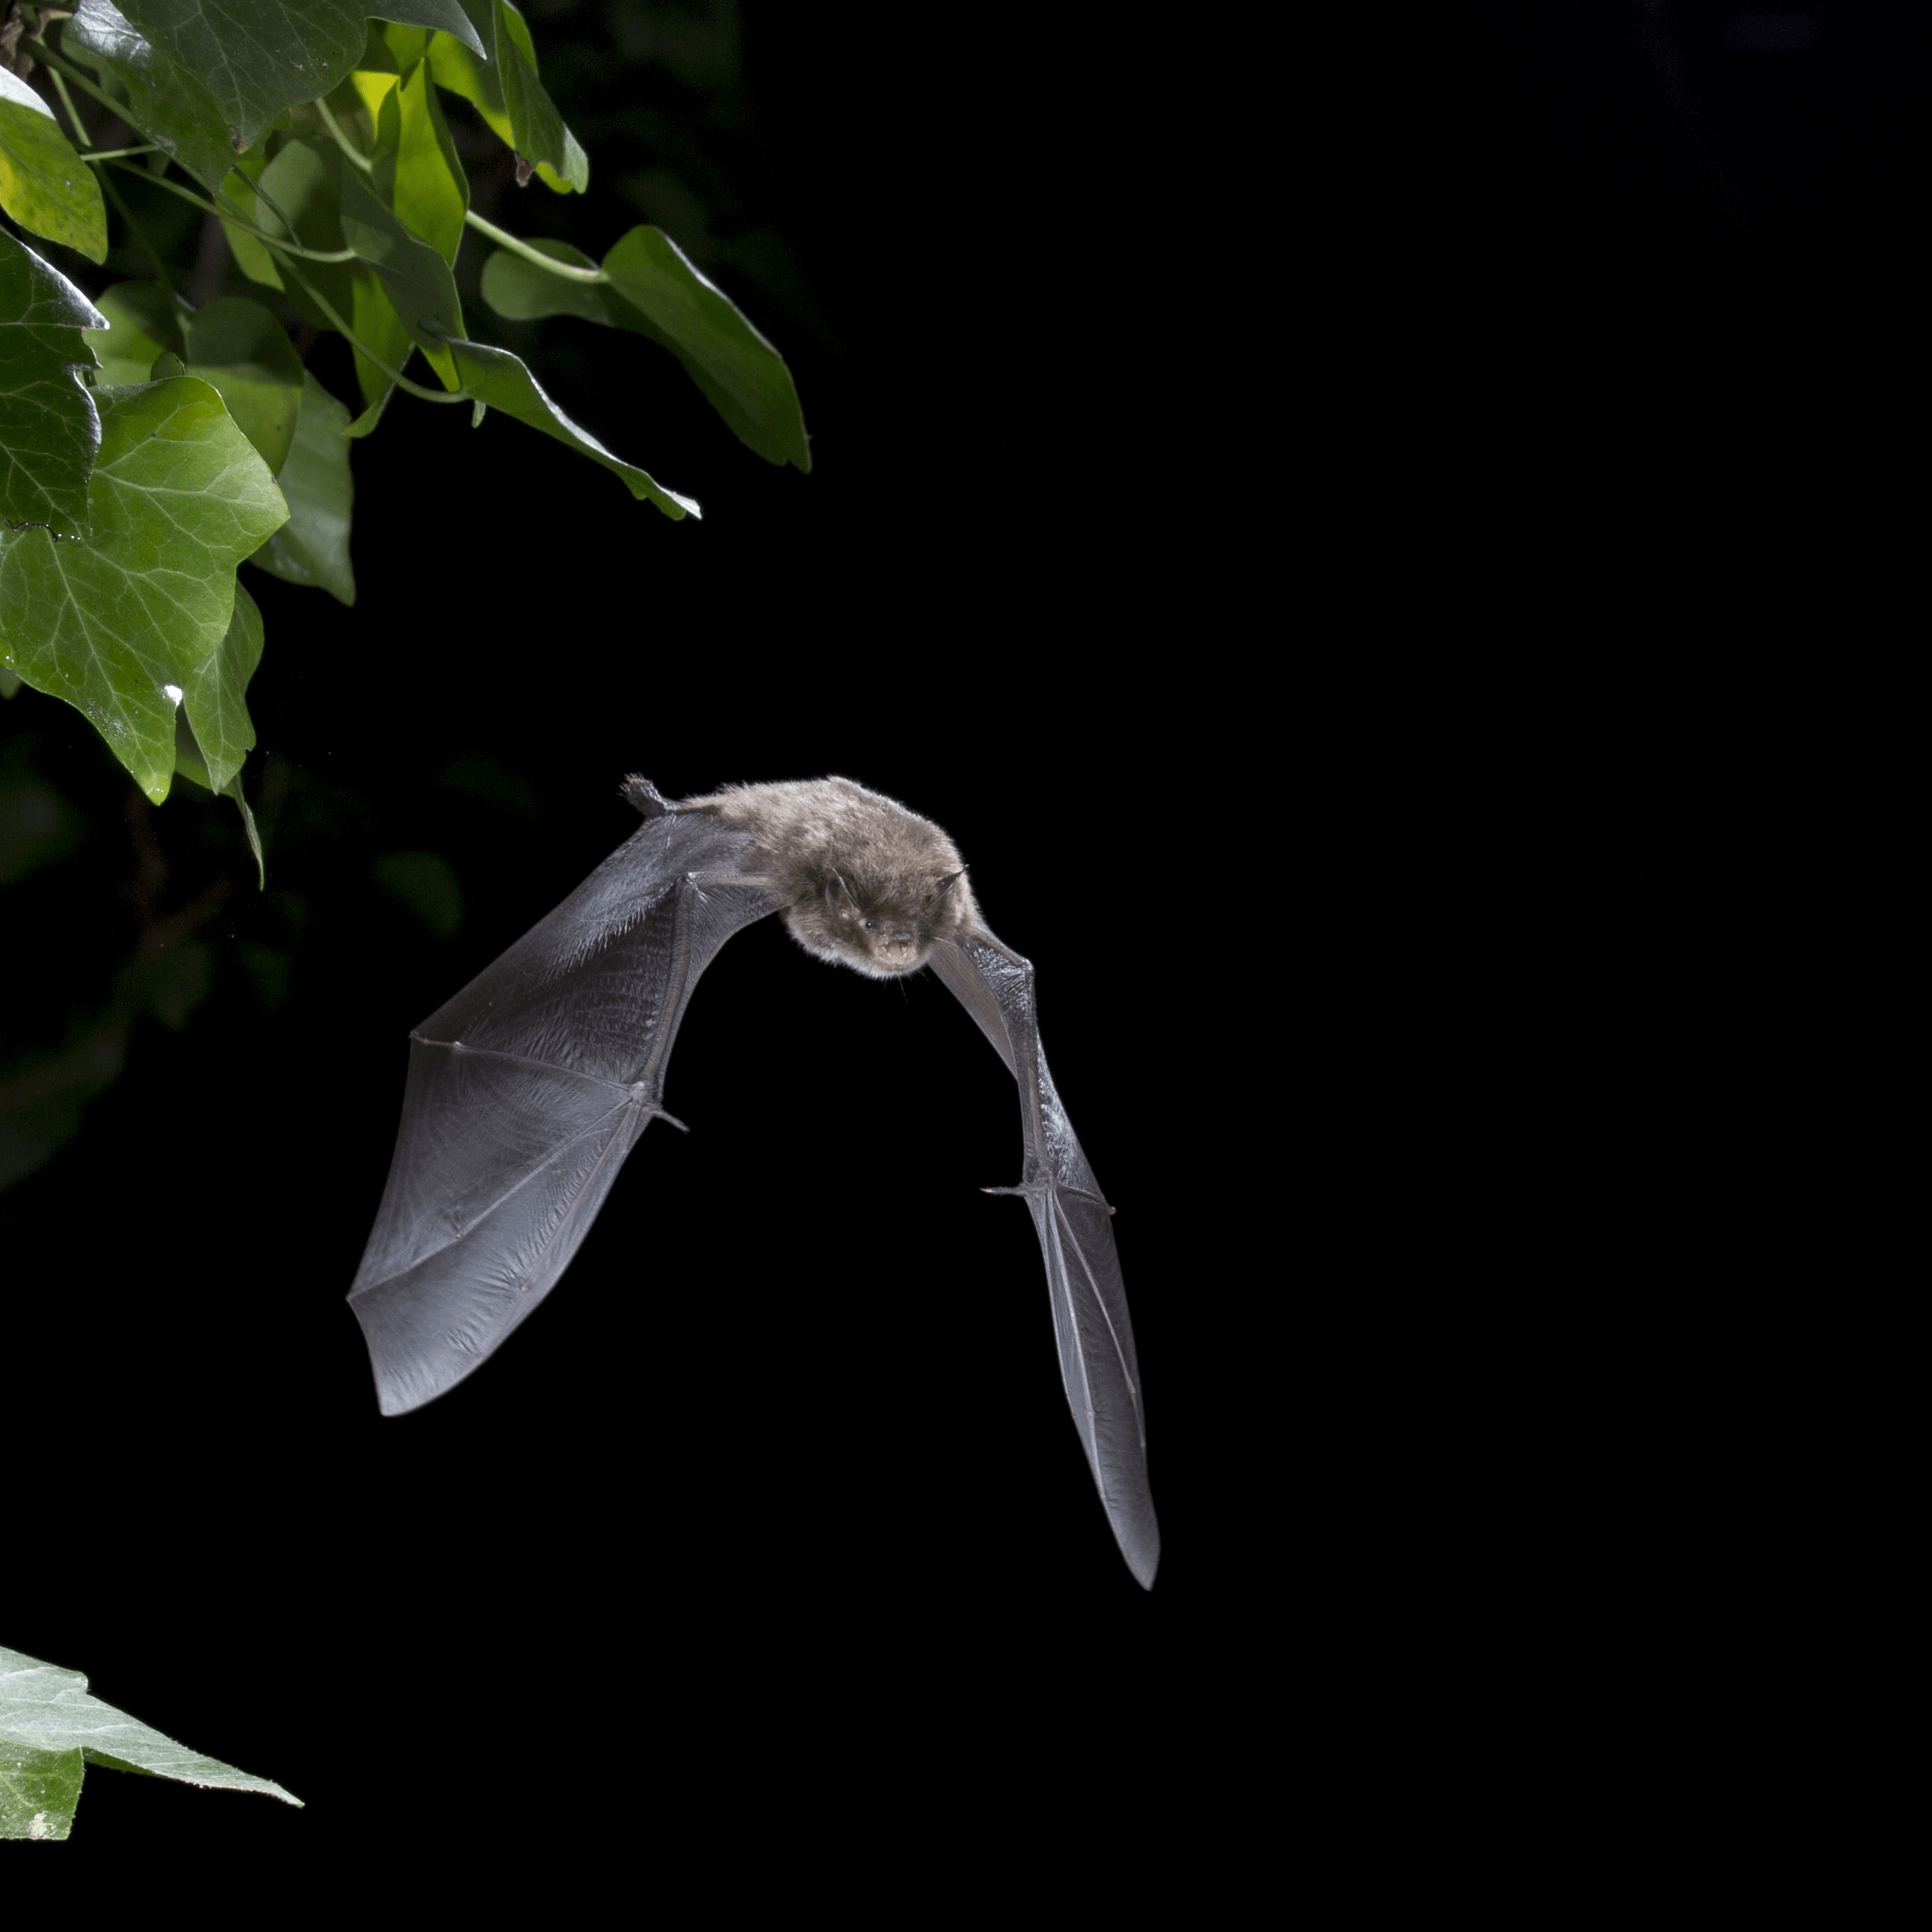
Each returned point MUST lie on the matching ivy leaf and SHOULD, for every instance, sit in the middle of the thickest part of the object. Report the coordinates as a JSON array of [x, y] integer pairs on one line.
[[46, 1714], [219, 706], [416, 278], [214, 700], [541, 136], [49, 427], [496, 377], [163, 100], [508, 95], [44, 185], [417, 170], [252, 255], [213, 731], [650, 287], [143, 321], [313, 546], [303, 182], [119, 623], [237, 345], [257, 57], [38, 1790]]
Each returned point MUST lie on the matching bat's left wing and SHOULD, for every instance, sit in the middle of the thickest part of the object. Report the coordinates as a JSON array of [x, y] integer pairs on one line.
[[1097, 1366], [526, 1091]]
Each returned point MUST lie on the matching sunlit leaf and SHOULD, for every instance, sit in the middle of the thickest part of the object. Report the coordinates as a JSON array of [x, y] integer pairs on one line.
[[496, 377], [508, 95], [416, 279], [417, 170], [44, 185], [49, 427], [541, 136], [119, 623], [313, 546], [651, 288]]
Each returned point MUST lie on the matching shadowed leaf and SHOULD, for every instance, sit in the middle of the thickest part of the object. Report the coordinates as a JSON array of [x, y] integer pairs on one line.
[[49, 429]]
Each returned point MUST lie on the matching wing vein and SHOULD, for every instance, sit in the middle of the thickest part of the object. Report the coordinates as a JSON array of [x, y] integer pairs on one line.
[[521, 1059], [1113, 1333]]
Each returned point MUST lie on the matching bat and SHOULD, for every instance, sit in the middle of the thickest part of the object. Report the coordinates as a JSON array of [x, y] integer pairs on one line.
[[527, 1090]]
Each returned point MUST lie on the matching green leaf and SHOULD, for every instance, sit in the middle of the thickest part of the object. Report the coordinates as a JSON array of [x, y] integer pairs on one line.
[[162, 99], [49, 427], [417, 170], [416, 279], [304, 182], [120, 622], [651, 288], [44, 185], [541, 138], [46, 1710], [38, 1790], [213, 731], [313, 546], [252, 257], [519, 112], [144, 320], [496, 377], [517, 288], [399, 295], [237, 345], [257, 57], [215, 695]]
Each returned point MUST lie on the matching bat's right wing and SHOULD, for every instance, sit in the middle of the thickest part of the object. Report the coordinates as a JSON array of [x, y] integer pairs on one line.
[[1097, 1366], [526, 1092]]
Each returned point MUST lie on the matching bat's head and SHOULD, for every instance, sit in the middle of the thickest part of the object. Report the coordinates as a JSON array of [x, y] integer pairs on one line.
[[881, 924]]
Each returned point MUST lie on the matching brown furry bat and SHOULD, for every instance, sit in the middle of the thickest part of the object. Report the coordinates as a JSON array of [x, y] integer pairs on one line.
[[528, 1089]]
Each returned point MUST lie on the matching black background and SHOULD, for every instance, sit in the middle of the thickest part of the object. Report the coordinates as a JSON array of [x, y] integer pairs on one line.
[[1262, 494]]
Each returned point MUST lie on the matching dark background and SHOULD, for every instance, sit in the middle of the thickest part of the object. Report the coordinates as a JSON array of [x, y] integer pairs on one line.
[[1254, 513]]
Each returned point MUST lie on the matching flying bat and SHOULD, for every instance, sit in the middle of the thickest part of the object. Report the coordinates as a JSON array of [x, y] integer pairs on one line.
[[528, 1089]]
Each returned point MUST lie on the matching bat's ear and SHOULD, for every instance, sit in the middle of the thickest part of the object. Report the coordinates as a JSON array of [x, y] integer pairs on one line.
[[645, 796], [838, 899], [947, 885]]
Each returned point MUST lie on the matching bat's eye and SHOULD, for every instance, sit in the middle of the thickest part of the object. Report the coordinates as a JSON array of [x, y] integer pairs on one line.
[[870, 923]]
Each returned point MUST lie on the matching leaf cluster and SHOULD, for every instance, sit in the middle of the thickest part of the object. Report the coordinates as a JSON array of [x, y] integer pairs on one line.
[[152, 446]]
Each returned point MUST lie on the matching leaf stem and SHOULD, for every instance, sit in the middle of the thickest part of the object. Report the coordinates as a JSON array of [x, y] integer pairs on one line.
[[80, 134], [395, 376], [342, 140], [567, 271], [57, 64], [233, 213]]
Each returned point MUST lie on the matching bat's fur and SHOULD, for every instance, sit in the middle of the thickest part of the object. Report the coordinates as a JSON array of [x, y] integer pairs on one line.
[[863, 881]]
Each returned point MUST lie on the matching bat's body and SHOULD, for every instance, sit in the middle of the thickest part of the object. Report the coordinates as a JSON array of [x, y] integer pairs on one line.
[[527, 1090]]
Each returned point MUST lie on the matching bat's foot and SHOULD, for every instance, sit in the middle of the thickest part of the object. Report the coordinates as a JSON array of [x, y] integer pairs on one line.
[[1045, 1190]]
